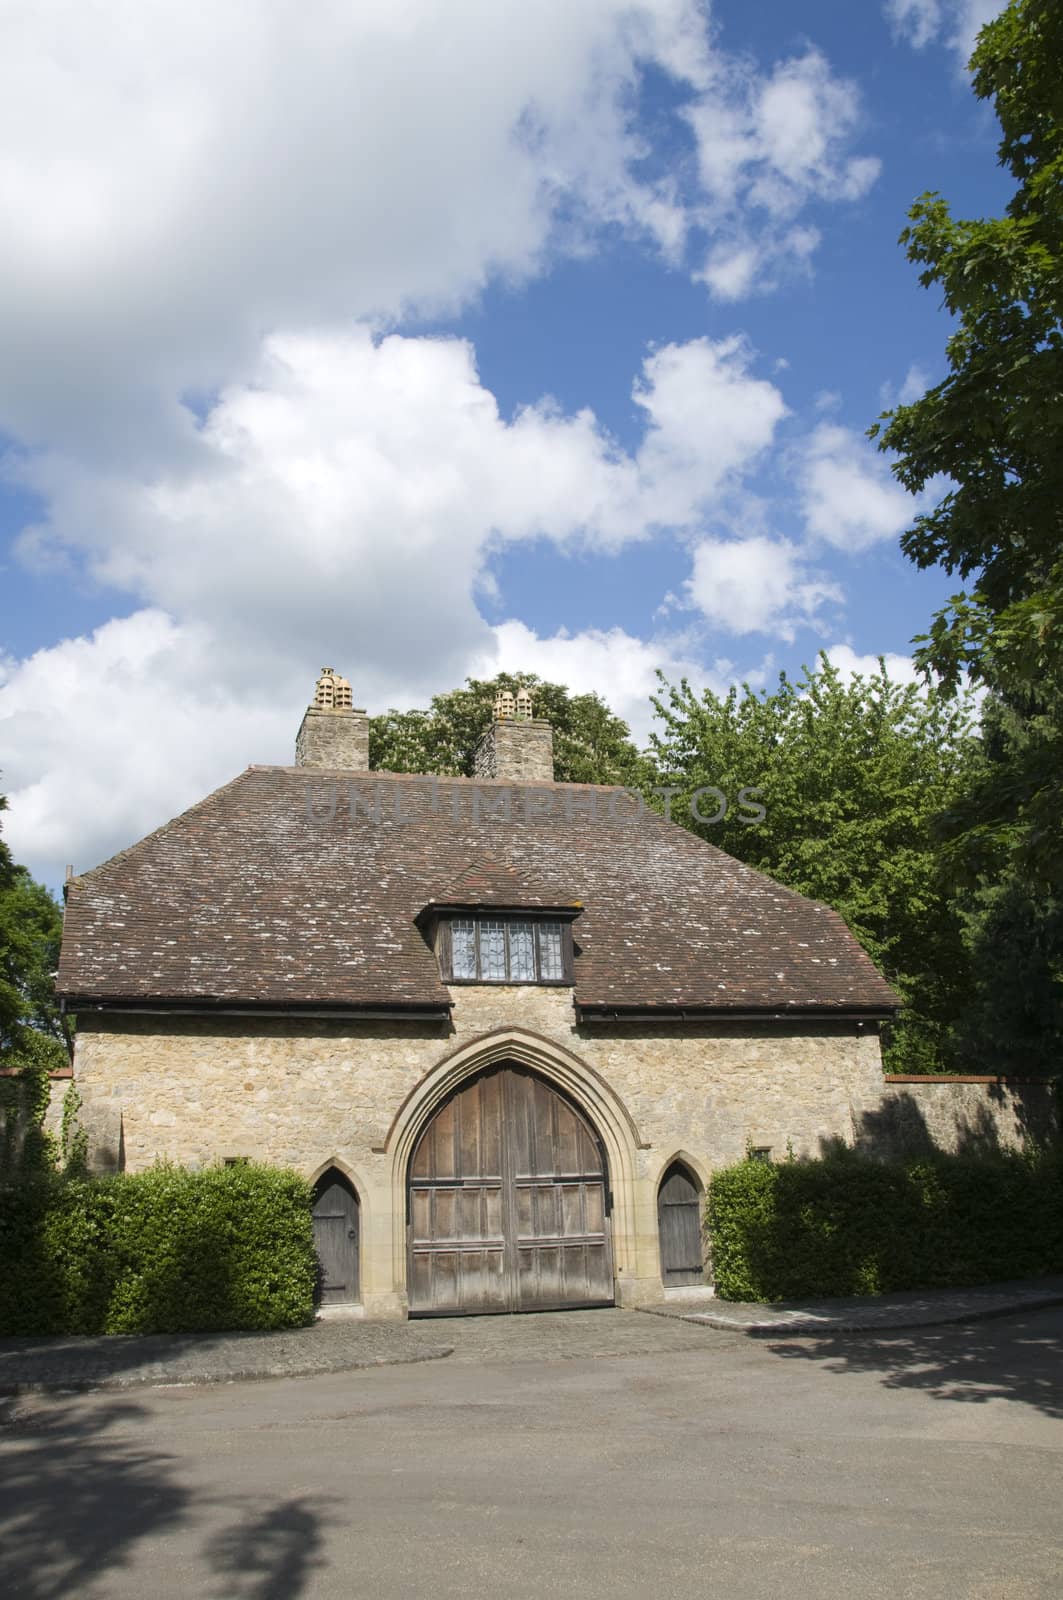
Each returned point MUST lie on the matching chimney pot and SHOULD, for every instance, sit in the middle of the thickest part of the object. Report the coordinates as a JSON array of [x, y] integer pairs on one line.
[[334, 734], [517, 747]]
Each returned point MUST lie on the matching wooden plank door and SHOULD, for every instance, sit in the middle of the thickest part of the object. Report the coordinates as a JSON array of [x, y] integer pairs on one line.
[[507, 1203], [560, 1240], [457, 1257], [679, 1226], [336, 1239]]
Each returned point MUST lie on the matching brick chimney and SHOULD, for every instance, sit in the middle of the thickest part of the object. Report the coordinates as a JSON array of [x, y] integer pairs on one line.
[[333, 733], [517, 746]]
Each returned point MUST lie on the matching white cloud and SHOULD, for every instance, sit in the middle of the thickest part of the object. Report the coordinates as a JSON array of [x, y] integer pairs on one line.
[[957, 21], [176, 180], [849, 498], [339, 507], [916, 383], [354, 476], [900, 668], [107, 737], [611, 662], [918, 21], [757, 585], [768, 146], [970, 17]]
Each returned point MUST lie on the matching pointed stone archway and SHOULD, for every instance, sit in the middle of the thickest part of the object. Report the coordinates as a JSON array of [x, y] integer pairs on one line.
[[508, 1209], [630, 1203]]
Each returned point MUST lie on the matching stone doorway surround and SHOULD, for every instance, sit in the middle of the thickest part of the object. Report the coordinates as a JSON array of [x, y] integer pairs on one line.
[[634, 1210]]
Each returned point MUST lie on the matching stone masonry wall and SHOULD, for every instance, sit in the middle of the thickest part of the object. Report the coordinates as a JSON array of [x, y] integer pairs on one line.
[[338, 740], [195, 1090], [961, 1114], [306, 1094], [518, 752]]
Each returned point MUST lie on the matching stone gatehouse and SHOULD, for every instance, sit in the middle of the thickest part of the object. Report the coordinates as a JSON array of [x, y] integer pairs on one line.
[[507, 1026]]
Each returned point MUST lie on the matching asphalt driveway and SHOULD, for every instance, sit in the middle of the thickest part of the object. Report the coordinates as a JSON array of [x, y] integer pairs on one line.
[[911, 1464]]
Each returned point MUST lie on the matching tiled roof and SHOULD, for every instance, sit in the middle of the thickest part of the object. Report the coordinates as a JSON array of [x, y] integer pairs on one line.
[[300, 887]]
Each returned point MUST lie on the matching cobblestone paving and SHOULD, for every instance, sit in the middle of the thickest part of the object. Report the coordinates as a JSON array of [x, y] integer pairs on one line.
[[913, 1309], [565, 1335], [348, 1343], [333, 1346]]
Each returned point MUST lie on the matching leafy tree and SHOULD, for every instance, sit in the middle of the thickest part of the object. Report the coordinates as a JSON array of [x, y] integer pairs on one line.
[[992, 433], [31, 928], [1013, 920], [33, 1038], [850, 776], [591, 744]]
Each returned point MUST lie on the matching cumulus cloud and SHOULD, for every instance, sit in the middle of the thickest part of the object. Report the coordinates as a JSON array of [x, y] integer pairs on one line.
[[356, 477], [176, 181], [758, 585], [108, 736], [340, 506], [611, 662], [918, 21], [916, 383], [849, 498], [850, 664], [769, 145]]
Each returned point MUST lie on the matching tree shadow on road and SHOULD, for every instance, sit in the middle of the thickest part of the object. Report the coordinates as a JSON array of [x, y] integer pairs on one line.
[[83, 1487], [1019, 1358], [269, 1555]]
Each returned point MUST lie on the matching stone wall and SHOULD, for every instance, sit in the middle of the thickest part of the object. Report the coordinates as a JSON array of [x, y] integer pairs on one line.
[[312, 1093], [335, 740], [517, 752], [977, 1114]]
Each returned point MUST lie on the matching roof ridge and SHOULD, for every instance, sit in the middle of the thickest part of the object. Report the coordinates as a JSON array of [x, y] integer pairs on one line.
[[440, 777]]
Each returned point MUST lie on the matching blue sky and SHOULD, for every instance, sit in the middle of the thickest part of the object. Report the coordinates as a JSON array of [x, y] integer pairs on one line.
[[431, 339]]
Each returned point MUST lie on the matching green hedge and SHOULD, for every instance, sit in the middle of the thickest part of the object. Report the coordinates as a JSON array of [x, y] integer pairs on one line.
[[164, 1251], [847, 1225]]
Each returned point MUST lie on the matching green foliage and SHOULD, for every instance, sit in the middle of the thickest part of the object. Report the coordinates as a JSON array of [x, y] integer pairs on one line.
[[35, 1039], [851, 776], [848, 1225], [73, 1139], [991, 432], [164, 1251], [26, 1149], [31, 927], [591, 745]]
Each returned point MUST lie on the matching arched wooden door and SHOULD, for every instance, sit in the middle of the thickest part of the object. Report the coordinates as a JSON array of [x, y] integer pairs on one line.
[[336, 1239], [679, 1227], [508, 1201]]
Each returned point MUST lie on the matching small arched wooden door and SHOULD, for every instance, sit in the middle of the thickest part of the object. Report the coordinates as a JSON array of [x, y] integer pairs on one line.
[[336, 1239], [508, 1200], [679, 1227]]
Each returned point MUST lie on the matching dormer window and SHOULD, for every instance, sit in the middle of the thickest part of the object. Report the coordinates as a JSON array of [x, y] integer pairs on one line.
[[488, 948]]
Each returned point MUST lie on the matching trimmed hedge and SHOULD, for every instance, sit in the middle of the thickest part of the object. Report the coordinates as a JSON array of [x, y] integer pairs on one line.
[[163, 1251], [848, 1225]]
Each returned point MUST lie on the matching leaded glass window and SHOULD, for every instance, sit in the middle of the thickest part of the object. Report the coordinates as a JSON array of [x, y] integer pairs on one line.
[[493, 952], [521, 952], [551, 954], [505, 949], [463, 949]]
